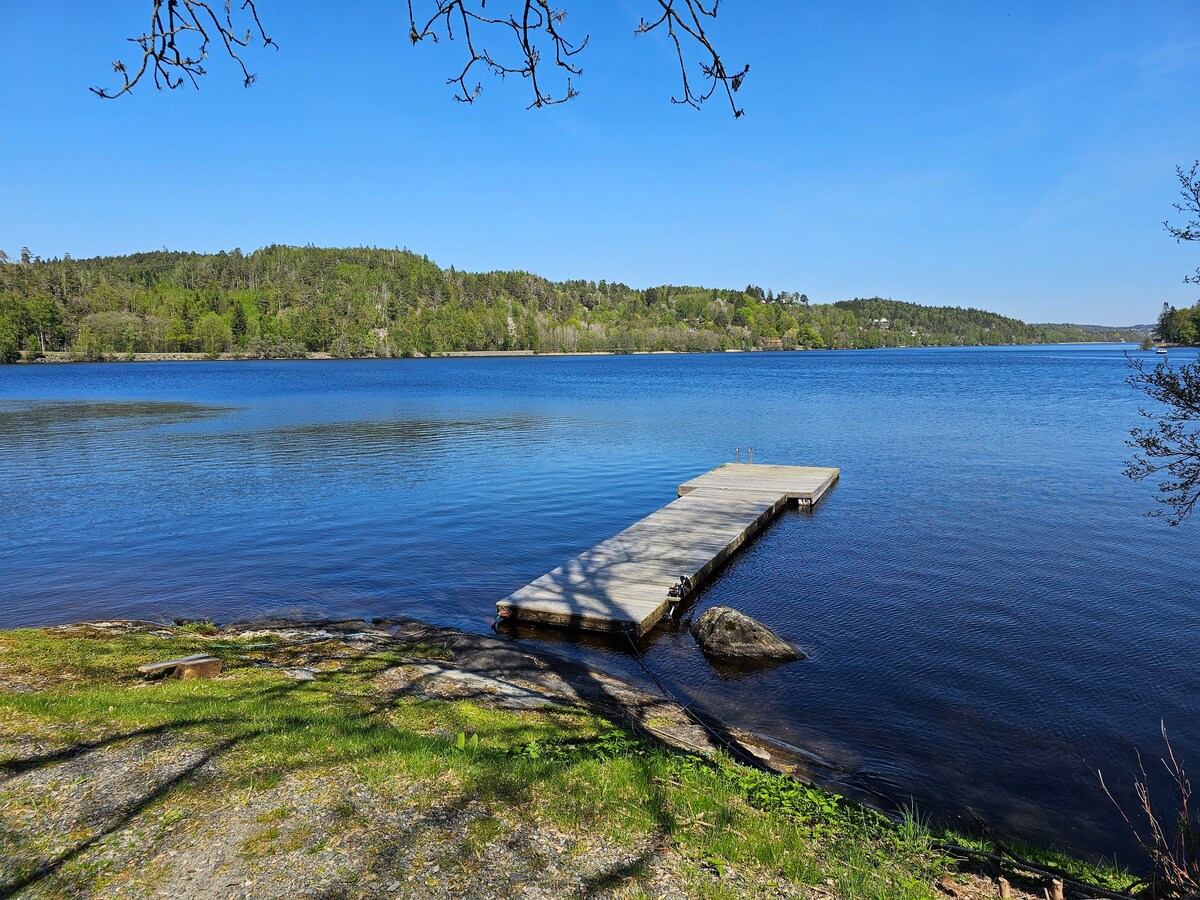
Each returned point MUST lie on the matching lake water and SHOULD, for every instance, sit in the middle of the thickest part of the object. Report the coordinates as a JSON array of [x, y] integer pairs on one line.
[[989, 614]]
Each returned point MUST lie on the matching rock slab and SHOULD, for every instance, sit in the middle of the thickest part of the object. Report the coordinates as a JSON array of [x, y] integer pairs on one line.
[[725, 633], [188, 667]]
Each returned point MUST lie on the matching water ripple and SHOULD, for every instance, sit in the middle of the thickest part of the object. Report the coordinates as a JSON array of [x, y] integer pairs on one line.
[[989, 615]]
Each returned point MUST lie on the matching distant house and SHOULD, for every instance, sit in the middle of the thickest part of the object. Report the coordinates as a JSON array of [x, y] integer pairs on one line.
[[881, 323], [773, 344]]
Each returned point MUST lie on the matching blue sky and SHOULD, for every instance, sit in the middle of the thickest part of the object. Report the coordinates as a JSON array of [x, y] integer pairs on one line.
[[1017, 157]]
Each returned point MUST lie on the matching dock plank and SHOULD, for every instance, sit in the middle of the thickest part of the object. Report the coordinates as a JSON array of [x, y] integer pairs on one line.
[[623, 583]]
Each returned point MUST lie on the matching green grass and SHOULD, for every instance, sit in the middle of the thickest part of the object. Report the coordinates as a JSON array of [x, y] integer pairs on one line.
[[563, 768], [1110, 874]]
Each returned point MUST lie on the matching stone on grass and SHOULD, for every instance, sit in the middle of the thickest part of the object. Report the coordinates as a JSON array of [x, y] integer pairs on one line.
[[187, 667], [725, 633]]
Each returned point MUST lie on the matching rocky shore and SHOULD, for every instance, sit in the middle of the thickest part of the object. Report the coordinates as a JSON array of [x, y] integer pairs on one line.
[[397, 759]]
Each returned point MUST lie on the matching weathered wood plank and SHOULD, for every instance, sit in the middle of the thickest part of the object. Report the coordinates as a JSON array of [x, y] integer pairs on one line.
[[798, 482], [623, 583]]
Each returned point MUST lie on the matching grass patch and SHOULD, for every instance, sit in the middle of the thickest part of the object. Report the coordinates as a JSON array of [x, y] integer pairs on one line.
[[261, 842], [278, 814], [1110, 875], [254, 730]]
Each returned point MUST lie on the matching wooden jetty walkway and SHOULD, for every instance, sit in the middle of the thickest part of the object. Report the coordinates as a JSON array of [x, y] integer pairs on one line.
[[628, 582]]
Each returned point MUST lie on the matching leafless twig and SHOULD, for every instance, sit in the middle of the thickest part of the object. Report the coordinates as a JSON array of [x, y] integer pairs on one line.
[[536, 21], [1169, 448], [689, 24], [1189, 193], [1174, 853], [195, 24], [530, 42]]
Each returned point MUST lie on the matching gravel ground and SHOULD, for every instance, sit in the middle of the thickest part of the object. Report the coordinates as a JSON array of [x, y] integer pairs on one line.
[[330, 833]]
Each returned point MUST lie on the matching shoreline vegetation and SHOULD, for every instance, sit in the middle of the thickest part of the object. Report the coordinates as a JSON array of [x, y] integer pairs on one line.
[[297, 302], [57, 357], [394, 758]]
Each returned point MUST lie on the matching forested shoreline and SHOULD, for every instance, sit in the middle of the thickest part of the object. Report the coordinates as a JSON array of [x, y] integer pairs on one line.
[[359, 302], [1178, 326]]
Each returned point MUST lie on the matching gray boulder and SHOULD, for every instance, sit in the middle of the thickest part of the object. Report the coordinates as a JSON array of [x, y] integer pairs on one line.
[[725, 633]]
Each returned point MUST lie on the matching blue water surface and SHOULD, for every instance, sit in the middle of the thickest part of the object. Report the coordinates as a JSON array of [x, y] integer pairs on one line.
[[989, 614]]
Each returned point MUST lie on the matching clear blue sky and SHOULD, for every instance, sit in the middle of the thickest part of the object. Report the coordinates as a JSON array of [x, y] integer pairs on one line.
[[1018, 157]]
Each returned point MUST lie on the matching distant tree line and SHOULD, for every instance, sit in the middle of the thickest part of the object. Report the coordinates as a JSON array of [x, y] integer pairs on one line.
[[289, 301]]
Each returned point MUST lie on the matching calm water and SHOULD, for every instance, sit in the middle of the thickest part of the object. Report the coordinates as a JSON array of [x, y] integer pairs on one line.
[[989, 615]]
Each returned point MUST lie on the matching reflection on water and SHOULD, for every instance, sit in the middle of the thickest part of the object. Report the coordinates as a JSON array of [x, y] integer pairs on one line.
[[24, 421], [988, 614], [412, 448]]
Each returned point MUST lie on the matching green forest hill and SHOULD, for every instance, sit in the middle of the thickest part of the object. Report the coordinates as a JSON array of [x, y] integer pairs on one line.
[[290, 301]]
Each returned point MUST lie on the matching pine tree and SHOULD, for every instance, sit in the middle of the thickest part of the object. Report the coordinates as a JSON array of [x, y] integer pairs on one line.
[[238, 323]]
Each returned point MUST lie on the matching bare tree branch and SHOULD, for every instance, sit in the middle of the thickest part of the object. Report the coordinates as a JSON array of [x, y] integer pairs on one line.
[[712, 69], [1172, 842], [1189, 191], [537, 21], [190, 22], [530, 42], [1169, 447], [1189, 205]]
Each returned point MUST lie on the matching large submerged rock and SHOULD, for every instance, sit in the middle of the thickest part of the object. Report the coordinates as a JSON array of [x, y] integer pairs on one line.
[[725, 633]]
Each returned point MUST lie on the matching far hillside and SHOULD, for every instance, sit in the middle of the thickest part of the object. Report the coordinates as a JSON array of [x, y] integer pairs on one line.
[[291, 301], [1143, 330], [893, 323]]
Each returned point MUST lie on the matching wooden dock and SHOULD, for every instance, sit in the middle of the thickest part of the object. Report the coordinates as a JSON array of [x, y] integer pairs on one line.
[[628, 582]]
